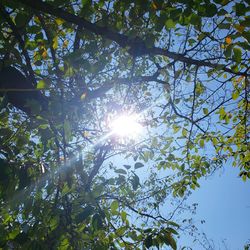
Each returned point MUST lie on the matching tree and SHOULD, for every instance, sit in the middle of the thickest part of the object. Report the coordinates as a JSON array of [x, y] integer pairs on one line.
[[67, 181]]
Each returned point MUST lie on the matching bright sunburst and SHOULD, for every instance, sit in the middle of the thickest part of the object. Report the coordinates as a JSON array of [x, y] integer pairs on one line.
[[126, 126]]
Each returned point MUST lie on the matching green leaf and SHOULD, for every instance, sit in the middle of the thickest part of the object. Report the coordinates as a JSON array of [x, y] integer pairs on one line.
[[87, 211], [184, 132], [169, 240], [114, 206], [195, 19], [205, 111], [148, 242], [240, 9], [202, 143], [21, 238], [123, 216], [12, 235], [228, 51], [41, 84], [237, 54], [170, 24], [22, 19], [235, 95], [138, 165], [97, 222], [34, 29], [246, 35], [211, 10]]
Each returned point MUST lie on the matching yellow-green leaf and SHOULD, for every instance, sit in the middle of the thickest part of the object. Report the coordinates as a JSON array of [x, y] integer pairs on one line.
[[41, 84]]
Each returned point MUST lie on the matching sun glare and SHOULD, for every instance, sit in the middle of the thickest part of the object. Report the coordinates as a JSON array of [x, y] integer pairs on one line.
[[126, 126]]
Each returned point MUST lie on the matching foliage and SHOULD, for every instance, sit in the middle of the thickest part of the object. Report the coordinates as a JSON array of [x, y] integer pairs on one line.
[[183, 65]]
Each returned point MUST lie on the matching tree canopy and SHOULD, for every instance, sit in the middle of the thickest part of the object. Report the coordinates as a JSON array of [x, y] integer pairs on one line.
[[69, 69]]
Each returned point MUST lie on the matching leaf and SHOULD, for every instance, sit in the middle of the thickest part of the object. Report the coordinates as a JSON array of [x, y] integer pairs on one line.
[[127, 166], [205, 111], [44, 54], [138, 165], [176, 128], [97, 222], [123, 216], [87, 211], [240, 28], [235, 95], [34, 29], [114, 206], [240, 9], [215, 141], [21, 19], [135, 181], [59, 21], [246, 35], [170, 24], [184, 132], [211, 10], [154, 6], [202, 143], [120, 171], [228, 40], [169, 240], [55, 43], [237, 55], [21, 238], [65, 43], [148, 242], [41, 84], [195, 19], [228, 51]]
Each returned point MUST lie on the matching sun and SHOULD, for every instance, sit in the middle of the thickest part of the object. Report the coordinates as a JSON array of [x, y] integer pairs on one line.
[[126, 126]]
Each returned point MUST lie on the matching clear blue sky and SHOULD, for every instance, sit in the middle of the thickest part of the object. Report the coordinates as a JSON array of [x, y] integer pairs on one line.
[[224, 202]]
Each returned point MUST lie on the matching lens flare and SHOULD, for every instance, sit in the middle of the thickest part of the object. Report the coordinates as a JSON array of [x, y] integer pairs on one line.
[[126, 126]]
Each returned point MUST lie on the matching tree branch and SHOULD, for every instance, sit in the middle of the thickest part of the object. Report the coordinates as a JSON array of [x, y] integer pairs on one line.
[[137, 45]]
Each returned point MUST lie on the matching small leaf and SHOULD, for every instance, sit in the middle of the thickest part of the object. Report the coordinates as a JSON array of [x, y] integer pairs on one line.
[[121, 171], [114, 206], [138, 165], [202, 143], [170, 24], [44, 54], [59, 21], [205, 111], [55, 43], [184, 132], [240, 28], [87, 211], [154, 6], [228, 40], [237, 55], [123, 216], [235, 95], [148, 242], [127, 166], [135, 181], [211, 10], [21, 19], [41, 84], [169, 240], [65, 43]]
